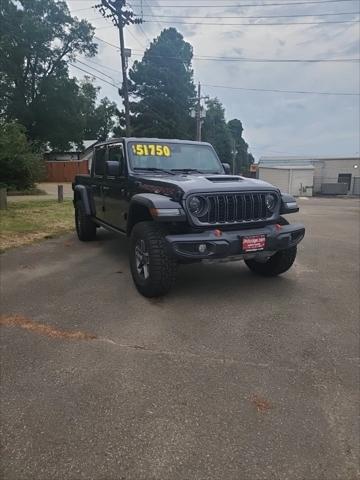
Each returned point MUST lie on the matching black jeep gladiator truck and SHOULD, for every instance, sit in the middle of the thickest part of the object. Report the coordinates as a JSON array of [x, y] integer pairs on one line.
[[179, 204]]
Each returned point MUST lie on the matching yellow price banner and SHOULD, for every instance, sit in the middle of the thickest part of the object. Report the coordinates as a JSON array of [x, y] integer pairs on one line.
[[153, 150]]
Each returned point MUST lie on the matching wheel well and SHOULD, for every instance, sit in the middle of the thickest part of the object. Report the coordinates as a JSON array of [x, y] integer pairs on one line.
[[137, 213]]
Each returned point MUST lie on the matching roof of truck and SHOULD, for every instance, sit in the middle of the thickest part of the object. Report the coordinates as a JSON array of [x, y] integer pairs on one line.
[[148, 139]]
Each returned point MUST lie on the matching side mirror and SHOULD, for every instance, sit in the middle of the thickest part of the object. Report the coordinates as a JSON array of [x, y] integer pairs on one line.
[[288, 204], [114, 169], [227, 168]]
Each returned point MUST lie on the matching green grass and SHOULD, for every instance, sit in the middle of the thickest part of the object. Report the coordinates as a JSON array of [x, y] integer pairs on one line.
[[26, 222]]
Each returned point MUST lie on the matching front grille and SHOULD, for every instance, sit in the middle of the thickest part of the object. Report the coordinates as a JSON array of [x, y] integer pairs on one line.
[[232, 208]]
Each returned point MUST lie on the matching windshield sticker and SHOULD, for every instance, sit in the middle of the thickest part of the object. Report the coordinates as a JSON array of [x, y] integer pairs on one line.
[[153, 150]]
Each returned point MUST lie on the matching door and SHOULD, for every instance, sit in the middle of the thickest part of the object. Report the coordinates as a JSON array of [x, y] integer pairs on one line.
[[116, 190], [98, 177], [345, 178], [301, 182]]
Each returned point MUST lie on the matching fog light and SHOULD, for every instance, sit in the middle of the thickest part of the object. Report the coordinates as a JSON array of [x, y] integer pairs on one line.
[[202, 247]]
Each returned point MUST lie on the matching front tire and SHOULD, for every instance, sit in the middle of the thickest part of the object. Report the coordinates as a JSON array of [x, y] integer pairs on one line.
[[152, 267], [85, 227], [279, 263]]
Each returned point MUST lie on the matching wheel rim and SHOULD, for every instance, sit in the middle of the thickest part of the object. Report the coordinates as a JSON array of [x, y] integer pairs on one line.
[[142, 259]]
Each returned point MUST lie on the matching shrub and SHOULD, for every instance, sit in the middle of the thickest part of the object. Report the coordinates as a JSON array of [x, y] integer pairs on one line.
[[20, 166]]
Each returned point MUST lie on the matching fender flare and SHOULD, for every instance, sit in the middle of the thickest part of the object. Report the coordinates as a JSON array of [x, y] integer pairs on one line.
[[158, 207], [81, 191], [154, 200]]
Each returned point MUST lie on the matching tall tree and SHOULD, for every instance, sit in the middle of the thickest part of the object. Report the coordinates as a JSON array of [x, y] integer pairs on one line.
[[215, 130], [38, 38], [243, 158], [162, 85]]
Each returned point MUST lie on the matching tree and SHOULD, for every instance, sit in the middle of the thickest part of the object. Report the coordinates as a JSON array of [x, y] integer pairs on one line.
[[20, 167], [98, 120], [162, 84], [120, 128], [243, 159], [38, 38], [215, 130]]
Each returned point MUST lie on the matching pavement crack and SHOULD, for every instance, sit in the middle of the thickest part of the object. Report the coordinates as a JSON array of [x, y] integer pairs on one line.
[[207, 358]]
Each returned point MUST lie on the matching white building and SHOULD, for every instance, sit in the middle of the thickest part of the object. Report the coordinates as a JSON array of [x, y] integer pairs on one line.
[[305, 176]]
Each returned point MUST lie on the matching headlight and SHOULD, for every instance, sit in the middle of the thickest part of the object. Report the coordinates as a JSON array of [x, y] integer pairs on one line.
[[270, 201], [198, 206]]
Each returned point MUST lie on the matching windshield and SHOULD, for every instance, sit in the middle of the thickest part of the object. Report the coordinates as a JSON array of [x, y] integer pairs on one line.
[[172, 157]]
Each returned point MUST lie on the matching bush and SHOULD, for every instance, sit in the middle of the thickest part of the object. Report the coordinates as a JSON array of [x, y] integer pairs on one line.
[[20, 166]]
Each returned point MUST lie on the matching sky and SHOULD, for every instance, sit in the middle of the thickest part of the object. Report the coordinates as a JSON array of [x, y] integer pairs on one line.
[[275, 123]]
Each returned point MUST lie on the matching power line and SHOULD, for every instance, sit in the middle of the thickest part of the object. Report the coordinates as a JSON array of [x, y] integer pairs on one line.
[[108, 43], [310, 2], [241, 5], [281, 91], [251, 16], [238, 88], [245, 16], [140, 27], [95, 76], [249, 24], [113, 85], [95, 69], [135, 38], [159, 23], [245, 59], [260, 60], [145, 34], [81, 9], [255, 24], [101, 65]]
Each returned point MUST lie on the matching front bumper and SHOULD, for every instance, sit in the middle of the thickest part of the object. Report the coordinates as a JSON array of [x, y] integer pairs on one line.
[[222, 244]]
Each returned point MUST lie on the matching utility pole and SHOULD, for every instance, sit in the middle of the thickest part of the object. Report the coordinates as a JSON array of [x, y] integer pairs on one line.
[[198, 113], [120, 17], [124, 75], [233, 154]]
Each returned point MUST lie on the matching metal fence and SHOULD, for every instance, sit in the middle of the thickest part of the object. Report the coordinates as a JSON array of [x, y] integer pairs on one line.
[[346, 184]]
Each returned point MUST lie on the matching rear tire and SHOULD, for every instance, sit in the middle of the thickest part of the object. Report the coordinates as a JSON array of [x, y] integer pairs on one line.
[[152, 267], [276, 265], [85, 227]]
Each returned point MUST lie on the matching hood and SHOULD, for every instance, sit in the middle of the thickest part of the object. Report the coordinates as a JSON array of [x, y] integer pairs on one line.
[[186, 184]]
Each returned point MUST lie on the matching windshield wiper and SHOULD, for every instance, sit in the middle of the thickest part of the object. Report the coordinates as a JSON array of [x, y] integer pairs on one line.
[[154, 169], [186, 170]]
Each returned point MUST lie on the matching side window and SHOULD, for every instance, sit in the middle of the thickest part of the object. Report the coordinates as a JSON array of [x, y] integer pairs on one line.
[[116, 154], [99, 159]]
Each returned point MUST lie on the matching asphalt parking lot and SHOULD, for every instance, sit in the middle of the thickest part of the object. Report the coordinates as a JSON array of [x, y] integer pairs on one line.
[[229, 377]]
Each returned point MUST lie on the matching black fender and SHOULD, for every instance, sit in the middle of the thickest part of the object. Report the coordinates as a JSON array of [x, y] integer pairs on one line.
[[80, 191], [288, 204], [152, 206]]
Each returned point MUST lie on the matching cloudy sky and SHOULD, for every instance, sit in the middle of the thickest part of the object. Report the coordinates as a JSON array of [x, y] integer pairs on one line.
[[275, 123]]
